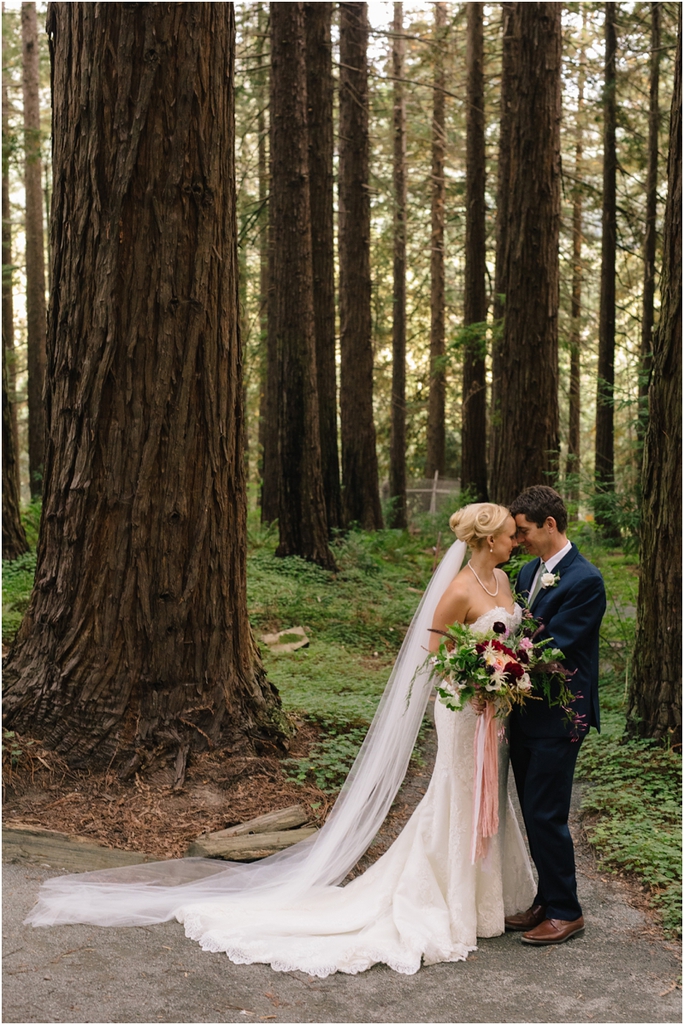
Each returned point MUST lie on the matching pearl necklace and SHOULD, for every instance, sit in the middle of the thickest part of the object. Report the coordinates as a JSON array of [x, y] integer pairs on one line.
[[492, 594]]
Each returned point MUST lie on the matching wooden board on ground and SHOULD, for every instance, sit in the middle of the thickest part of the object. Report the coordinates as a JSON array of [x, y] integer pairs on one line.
[[23, 842], [286, 640], [251, 847], [271, 822]]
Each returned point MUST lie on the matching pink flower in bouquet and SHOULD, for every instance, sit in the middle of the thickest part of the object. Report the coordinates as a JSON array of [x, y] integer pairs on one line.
[[526, 644]]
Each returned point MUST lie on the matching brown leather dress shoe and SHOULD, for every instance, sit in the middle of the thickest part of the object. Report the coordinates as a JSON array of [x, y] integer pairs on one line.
[[553, 930], [526, 919]]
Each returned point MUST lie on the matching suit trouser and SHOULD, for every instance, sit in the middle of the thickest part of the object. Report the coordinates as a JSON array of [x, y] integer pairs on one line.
[[544, 768]]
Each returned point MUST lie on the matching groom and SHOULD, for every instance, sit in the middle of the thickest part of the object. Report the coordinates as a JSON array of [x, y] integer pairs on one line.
[[566, 593]]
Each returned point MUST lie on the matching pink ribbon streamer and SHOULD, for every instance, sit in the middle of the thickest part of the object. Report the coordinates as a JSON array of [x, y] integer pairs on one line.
[[485, 784]]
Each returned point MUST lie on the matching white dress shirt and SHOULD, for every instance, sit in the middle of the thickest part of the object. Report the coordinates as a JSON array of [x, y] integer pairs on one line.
[[550, 564]]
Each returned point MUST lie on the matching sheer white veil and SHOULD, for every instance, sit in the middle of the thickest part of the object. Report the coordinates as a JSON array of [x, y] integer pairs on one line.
[[157, 891]]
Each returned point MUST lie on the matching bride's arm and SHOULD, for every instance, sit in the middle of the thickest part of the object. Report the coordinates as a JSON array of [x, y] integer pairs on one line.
[[452, 608]]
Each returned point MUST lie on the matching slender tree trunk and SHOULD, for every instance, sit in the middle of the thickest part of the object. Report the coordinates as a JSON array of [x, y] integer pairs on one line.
[[136, 645], [271, 460], [14, 541], [572, 466], [319, 84], [269, 421], [474, 416], [436, 449], [604, 459], [508, 65], [262, 170], [397, 515], [35, 256], [302, 521], [650, 232], [526, 428], [655, 700], [361, 495], [8, 353]]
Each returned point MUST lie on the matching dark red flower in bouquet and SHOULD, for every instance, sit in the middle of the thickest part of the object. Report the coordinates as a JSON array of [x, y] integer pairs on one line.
[[499, 628], [523, 657], [513, 670]]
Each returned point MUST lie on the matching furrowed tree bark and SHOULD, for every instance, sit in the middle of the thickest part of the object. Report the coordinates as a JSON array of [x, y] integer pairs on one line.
[[361, 495], [302, 520], [319, 85], [604, 445], [262, 171], [650, 234], [397, 477], [526, 428], [136, 646], [508, 64], [572, 465], [35, 255], [436, 446], [474, 415], [8, 353], [14, 541], [655, 708]]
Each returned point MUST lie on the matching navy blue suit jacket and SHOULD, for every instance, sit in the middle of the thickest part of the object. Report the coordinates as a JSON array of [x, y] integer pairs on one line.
[[571, 612]]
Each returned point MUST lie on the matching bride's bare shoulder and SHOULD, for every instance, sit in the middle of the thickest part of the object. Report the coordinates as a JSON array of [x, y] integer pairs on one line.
[[504, 580], [455, 600], [460, 585]]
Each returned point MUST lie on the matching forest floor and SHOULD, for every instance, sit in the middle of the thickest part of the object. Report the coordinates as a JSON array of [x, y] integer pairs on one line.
[[355, 619]]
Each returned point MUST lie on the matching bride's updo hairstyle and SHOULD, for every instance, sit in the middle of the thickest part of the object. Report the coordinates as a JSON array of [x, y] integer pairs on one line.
[[473, 523]]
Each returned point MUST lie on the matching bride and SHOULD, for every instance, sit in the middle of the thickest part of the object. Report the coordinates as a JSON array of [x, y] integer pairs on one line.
[[423, 901]]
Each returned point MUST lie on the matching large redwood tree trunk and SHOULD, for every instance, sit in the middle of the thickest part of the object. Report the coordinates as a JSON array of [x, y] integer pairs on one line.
[[474, 416], [136, 645], [8, 353], [361, 495], [319, 87], [655, 699], [35, 252], [526, 426], [302, 521], [436, 442], [397, 481]]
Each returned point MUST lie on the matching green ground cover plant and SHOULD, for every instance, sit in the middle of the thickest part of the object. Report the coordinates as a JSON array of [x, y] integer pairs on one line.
[[17, 581], [355, 620]]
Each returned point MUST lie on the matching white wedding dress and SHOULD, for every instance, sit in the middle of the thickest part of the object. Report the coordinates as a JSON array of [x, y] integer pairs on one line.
[[421, 902]]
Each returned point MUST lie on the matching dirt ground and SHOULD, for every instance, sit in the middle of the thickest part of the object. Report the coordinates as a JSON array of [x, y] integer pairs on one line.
[[147, 814]]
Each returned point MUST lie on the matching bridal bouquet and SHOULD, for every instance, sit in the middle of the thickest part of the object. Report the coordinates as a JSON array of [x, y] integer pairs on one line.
[[501, 667]]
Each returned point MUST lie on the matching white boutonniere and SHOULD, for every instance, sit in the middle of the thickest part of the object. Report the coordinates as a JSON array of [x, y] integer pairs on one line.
[[550, 580]]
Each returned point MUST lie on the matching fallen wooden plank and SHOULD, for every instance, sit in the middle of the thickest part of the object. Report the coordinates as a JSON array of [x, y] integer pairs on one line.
[[252, 847], [272, 821], [286, 640], [24, 842]]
